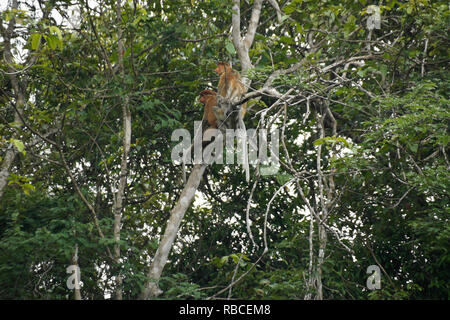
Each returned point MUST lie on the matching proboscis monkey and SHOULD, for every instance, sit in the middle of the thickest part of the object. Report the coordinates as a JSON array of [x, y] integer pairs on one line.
[[230, 85], [209, 100], [231, 89]]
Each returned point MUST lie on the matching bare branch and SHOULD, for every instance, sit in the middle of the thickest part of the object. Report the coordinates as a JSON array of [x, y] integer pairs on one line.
[[236, 21], [254, 20], [275, 5]]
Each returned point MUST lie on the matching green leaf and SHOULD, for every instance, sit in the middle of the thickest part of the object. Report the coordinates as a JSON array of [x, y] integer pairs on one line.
[[319, 142], [287, 40], [56, 30], [283, 178], [224, 259], [35, 40], [413, 147], [27, 188], [19, 145], [54, 42], [230, 48], [51, 41]]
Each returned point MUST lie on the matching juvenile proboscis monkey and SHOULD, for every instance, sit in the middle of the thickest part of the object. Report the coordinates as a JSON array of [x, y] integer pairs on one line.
[[209, 100]]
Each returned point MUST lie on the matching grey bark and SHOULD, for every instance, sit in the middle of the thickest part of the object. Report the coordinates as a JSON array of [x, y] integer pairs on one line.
[[173, 225], [77, 290], [19, 97], [242, 46], [126, 144]]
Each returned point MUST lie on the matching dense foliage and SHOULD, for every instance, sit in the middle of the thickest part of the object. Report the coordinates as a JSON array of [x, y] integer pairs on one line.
[[390, 161]]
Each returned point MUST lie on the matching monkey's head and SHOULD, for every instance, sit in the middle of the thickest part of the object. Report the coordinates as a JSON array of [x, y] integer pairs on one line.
[[205, 95], [222, 67], [207, 92]]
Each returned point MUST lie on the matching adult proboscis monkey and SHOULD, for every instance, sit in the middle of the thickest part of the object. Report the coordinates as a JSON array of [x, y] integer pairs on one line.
[[230, 90], [230, 86]]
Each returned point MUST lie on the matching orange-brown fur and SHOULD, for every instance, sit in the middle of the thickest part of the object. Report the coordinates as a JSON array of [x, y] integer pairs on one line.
[[230, 85], [209, 99]]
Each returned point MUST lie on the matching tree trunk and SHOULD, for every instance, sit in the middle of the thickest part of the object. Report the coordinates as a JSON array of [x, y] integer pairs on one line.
[[177, 214], [19, 97], [6, 167], [126, 143], [242, 46], [77, 289]]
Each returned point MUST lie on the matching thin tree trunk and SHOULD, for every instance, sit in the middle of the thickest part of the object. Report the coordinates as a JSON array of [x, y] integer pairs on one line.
[[19, 97], [320, 259], [6, 167], [310, 282], [177, 214], [242, 46], [126, 143], [77, 290]]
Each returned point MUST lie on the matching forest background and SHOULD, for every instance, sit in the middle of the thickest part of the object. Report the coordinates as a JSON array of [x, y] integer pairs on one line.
[[91, 92]]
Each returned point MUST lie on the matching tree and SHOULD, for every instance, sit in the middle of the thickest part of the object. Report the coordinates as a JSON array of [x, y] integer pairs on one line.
[[91, 93]]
